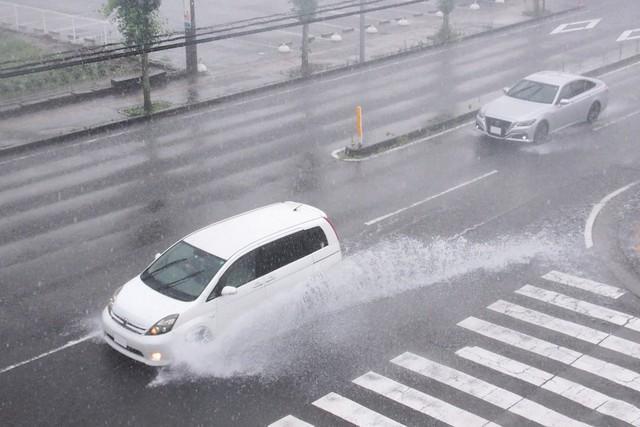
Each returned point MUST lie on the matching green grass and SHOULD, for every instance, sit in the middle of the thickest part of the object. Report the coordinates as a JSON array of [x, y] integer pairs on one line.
[[138, 110]]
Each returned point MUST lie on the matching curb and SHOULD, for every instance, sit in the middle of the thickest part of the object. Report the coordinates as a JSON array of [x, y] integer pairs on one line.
[[92, 130], [406, 138]]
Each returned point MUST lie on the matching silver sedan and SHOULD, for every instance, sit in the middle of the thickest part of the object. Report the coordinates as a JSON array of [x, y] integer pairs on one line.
[[542, 103]]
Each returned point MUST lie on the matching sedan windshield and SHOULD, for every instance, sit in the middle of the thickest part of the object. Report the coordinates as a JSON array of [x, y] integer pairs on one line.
[[182, 272], [530, 90]]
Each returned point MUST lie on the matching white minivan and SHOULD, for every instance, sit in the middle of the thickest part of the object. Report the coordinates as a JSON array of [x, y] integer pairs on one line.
[[203, 282]]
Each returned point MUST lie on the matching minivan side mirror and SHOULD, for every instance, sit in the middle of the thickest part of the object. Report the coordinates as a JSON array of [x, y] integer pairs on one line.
[[228, 290], [157, 256]]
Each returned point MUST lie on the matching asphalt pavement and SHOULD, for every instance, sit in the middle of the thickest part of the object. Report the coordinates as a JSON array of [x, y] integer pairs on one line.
[[81, 218]]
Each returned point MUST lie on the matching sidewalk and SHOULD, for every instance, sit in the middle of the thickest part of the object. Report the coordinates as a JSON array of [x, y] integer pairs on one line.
[[238, 74]]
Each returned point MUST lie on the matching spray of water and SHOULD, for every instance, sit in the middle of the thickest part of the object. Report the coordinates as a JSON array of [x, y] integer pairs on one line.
[[252, 346]]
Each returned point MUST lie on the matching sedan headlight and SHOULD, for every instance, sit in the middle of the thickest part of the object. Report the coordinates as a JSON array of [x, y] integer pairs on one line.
[[112, 300], [163, 325], [525, 123], [480, 115]]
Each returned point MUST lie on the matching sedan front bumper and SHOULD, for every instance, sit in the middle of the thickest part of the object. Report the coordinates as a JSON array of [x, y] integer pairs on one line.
[[510, 133]]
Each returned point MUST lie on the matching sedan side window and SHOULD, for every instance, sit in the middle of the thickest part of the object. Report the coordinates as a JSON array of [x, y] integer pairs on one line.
[[567, 91]]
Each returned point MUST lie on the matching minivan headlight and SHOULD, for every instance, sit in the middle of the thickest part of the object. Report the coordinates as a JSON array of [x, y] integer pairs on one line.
[[163, 325], [525, 123], [112, 300]]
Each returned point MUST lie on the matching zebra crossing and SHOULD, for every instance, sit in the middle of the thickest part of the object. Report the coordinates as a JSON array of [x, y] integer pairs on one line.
[[585, 301]]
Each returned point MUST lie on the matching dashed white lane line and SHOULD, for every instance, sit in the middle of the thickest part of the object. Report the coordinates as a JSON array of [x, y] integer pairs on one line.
[[488, 392], [588, 229], [605, 370], [574, 330], [290, 421], [578, 306], [353, 412], [457, 187], [420, 401], [48, 353], [584, 284], [578, 393]]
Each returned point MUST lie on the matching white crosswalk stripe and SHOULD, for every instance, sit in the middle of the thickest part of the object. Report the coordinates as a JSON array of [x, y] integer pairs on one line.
[[420, 401], [290, 421], [601, 368], [578, 393], [353, 412], [485, 391], [565, 327], [584, 284], [582, 307]]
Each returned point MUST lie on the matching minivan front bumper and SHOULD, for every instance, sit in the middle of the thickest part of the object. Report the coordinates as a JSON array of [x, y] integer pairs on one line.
[[150, 350]]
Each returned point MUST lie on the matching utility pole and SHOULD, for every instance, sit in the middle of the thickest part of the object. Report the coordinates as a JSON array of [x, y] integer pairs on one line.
[[362, 33], [191, 50]]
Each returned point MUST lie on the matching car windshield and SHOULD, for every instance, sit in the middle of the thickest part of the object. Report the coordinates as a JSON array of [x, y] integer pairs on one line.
[[533, 91], [182, 272]]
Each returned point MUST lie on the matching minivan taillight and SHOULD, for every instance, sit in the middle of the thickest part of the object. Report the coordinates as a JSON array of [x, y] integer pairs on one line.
[[332, 227]]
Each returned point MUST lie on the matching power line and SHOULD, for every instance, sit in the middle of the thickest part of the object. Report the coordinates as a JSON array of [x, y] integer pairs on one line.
[[182, 41]]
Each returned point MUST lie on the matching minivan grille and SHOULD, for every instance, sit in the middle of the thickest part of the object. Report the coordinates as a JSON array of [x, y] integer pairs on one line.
[[126, 324]]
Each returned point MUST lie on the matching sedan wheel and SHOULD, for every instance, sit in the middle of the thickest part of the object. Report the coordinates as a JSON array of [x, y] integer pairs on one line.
[[594, 112], [542, 133]]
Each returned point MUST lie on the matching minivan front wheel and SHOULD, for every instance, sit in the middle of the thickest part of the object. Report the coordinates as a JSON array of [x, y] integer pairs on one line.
[[542, 133], [594, 112]]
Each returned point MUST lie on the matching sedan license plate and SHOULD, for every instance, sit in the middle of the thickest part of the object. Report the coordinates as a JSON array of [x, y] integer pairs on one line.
[[495, 130], [120, 341]]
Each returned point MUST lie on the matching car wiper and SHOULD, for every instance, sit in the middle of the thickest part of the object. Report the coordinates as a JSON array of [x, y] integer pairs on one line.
[[175, 282], [151, 273]]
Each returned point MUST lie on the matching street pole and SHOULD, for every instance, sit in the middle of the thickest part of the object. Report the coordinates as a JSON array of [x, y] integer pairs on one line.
[[362, 33], [191, 50]]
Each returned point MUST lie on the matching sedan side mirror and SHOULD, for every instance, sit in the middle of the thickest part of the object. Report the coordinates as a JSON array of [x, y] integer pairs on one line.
[[157, 256], [564, 101], [505, 89], [228, 290]]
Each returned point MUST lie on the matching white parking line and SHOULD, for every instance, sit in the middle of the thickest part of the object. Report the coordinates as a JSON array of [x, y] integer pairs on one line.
[[419, 401], [290, 421], [486, 391], [574, 330], [48, 353], [353, 412], [578, 393], [584, 284], [582, 307], [608, 371], [464, 184]]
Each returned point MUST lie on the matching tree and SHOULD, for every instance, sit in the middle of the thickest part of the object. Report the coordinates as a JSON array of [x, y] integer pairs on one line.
[[139, 24], [305, 9], [539, 7], [446, 7]]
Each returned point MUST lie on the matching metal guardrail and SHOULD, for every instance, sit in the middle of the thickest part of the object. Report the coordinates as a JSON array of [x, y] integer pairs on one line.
[[63, 26]]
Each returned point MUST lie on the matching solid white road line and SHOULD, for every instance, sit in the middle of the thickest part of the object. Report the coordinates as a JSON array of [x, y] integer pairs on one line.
[[353, 412], [618, 120], [588, 228], [290, 421], [609, 371], [582, 307], [48, 353], [483, 390], [464, 184], [555, 324], [584, 333], [578, 393], [420, 401], [584, 284]]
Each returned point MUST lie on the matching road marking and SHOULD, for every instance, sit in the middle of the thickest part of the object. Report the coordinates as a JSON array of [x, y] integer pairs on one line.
[[464, 184], [629, 35], [353, 412], [618, 120], [578, 393], [582, 307], [584, 284], [588, 229], [609, 371], [555, 324], [617, 70], [420, 401], [290, 421], [576, 26], [583, 333], [481, 389], [48, 353]]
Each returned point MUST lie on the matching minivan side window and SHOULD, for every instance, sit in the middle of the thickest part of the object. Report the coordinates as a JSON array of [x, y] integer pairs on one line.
[[242, 271], [288, 249], [314, 239]]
